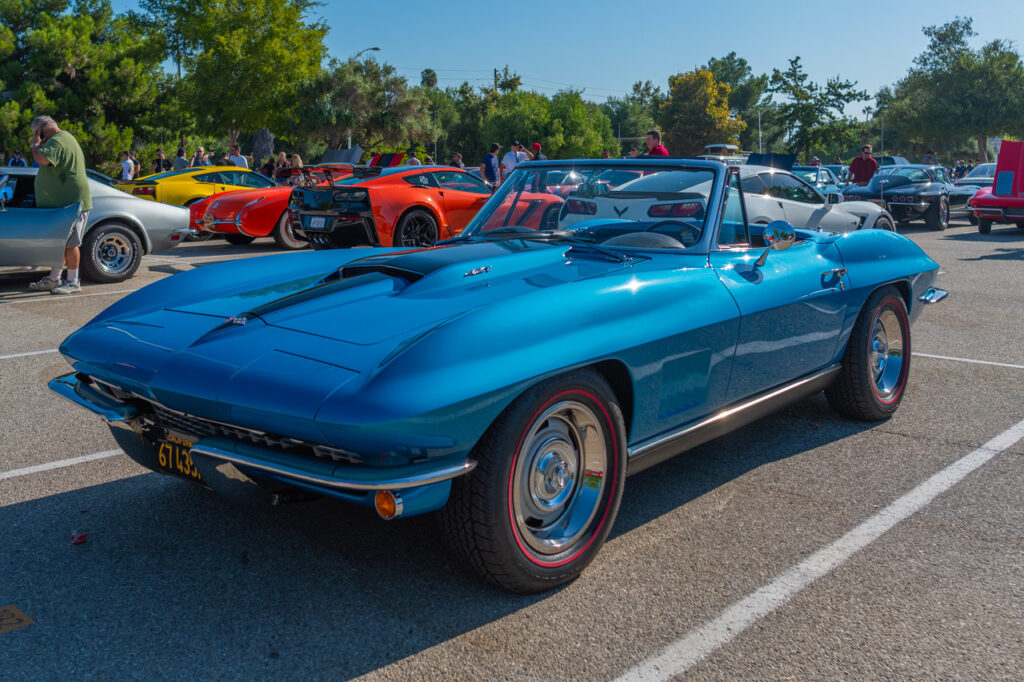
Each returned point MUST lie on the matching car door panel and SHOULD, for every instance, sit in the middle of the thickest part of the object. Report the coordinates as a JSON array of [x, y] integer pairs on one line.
[[792, 311], [35, 236]]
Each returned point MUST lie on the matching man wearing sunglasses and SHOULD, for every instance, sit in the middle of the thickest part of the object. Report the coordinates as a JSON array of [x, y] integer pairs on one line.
[[863, 168]]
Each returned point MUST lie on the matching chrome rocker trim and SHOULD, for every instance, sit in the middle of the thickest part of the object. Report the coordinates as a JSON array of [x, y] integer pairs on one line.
[[722, 422]]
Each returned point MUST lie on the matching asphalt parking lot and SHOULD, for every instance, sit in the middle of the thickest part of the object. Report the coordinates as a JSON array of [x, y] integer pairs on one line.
[[802, 547]]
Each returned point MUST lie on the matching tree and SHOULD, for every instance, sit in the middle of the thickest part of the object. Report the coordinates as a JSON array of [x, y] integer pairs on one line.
[[234, 55], [749, 100], [953, 92], [813, 115], [367, 100], [95, 73], [697, 113]]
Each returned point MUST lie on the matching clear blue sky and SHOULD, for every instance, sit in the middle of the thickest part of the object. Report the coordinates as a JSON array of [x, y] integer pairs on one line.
[[602, 46]]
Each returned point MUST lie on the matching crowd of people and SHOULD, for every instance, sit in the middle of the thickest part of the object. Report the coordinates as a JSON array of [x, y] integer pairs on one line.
[[130, 168]]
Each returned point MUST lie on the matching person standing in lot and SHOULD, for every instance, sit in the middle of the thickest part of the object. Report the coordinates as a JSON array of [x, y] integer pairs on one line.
[[180, 162], [127, 166], [136, 165], [654, 146], [515, 156], [929, 159], [412, 160], [16, 160], [160, 163], [457, 160], [536, 153], [200, 158], [61, 181], [237, 158], [863, 168], [490, 169]]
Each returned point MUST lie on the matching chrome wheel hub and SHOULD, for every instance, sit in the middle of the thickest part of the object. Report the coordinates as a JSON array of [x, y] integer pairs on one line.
[[886, 355], [113, 253], [559, 477]]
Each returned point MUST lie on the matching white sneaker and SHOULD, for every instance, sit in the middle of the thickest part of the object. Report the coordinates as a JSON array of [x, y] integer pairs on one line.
[[45, 284], [66, 287]]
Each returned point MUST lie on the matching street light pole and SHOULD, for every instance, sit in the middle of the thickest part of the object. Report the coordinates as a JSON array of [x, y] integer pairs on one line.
[[760, 147]]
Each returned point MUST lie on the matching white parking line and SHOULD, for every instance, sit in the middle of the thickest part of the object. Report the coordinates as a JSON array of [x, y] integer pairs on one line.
[[60, 464], [11, 356], [68, 297], [976, 362], [678, 657]]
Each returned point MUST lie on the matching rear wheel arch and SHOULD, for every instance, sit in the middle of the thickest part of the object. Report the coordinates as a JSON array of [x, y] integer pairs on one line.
[[441, 227], [131, 224]]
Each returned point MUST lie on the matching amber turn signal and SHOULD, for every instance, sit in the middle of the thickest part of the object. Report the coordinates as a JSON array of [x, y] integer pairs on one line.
[[388, 504]]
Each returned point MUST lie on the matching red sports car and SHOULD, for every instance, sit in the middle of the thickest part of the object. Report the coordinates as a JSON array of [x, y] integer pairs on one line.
[[1003, 202], [243, 215], [395, 206]]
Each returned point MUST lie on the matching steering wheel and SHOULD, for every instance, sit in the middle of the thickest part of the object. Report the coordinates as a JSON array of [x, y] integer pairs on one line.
[[695, 232]]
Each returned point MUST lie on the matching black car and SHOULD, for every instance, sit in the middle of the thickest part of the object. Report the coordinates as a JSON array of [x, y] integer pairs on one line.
[[915, 192]]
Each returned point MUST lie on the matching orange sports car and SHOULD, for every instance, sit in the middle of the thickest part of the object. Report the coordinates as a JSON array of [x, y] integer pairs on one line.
[[395, 206], [243, 215]]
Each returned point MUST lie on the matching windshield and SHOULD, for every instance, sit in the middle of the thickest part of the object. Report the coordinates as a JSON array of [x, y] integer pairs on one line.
[[984, 170], [910, 174], [602, 204]]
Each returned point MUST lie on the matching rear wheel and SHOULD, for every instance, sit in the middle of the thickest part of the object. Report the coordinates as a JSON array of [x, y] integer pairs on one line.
[[877, 361], [884, 223], [111, 252], [984, 225], [284, 236], [547, 486], [937, 215], [417, 228], [239, 239]]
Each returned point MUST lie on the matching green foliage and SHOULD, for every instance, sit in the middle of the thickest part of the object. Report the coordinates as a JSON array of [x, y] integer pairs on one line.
[[697, 113], [749, 101], [812, 115]]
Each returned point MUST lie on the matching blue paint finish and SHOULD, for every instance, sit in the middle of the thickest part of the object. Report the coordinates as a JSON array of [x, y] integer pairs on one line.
[[407, 357]]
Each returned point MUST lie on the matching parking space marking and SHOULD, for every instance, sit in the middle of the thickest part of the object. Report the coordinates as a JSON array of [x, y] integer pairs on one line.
[[976, 362], [70, 297], [59, 464], [678, 657], [11, 356]]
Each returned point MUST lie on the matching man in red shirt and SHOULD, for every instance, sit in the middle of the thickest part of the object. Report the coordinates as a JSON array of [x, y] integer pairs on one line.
[[863, 168], [654, 146]]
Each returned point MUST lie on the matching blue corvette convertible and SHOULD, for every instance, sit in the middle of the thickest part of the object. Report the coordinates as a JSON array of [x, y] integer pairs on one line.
[[511, 377]]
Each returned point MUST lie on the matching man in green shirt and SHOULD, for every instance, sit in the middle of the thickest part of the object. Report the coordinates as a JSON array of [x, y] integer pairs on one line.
[[61, 181]]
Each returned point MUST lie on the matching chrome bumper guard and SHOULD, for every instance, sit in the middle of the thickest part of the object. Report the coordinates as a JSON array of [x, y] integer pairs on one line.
[[186, 232], [313, 471], [933, 295]]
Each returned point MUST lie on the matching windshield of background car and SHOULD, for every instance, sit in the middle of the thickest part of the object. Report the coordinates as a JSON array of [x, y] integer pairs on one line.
[[984, 170], [601, 202], [911, 174]]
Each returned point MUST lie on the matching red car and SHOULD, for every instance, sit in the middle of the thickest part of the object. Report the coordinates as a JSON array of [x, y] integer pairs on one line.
[[1003, 202], [395, 206], [244, 215]]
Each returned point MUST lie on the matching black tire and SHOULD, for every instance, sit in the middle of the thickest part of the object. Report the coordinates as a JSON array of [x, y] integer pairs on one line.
[[984, 225], [549, 220], [937, 215], [1020, 226], [883, 223], [417, 228], [239, 239], [871, 384], [504, 518], [284, 237], [111, 252], [972, 219]]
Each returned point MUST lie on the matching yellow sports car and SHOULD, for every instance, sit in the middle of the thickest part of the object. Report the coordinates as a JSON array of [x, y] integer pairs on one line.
[[184, 187]]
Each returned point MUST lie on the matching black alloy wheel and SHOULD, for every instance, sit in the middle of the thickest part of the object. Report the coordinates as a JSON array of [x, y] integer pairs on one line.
[[876, 364], [417, 228], [937, 215]]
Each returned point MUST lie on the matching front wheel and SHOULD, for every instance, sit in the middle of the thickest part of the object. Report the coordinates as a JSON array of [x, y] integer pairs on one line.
[[111, 252], [877, 361], [546, 489], [884, 223], [984, 225], [937, 215]]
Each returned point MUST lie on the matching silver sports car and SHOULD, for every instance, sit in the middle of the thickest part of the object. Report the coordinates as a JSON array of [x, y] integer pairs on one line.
[[121, 228]]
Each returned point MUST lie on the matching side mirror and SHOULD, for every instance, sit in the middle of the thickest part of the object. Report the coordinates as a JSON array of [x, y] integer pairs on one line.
[[779, 236], [834, 198]]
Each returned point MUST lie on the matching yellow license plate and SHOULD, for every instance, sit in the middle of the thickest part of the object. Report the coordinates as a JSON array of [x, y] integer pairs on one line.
[[173, 458]]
